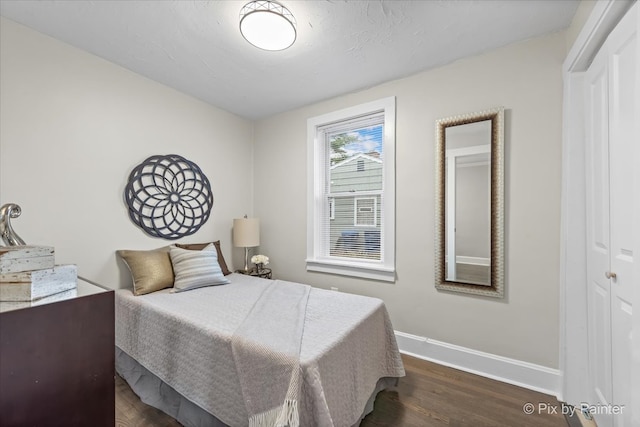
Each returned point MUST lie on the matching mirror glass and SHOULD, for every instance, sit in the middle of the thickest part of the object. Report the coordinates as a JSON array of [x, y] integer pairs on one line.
[[468, 204], [469, 165]]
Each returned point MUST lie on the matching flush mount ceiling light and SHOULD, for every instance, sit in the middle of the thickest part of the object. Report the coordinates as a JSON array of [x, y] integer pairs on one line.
[[267, 25]]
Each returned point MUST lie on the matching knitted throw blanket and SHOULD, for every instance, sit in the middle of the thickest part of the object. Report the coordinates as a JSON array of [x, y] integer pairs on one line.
[[266, 351]]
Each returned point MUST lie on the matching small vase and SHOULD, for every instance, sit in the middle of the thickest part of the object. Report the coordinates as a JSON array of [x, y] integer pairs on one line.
[[259, 267]]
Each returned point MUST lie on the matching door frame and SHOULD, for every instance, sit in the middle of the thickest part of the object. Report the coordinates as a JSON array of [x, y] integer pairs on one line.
[[574, 387]]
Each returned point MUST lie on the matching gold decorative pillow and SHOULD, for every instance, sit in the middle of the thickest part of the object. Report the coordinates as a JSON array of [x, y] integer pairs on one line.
[[200, 246], [150, 270]]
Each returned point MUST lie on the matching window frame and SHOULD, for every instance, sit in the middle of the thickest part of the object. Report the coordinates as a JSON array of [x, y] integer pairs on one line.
[[356, 210], [332, 208], [318, 258]]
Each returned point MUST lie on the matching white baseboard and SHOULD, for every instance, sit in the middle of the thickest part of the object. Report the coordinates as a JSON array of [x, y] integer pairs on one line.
[[473, 260], [511, 371]]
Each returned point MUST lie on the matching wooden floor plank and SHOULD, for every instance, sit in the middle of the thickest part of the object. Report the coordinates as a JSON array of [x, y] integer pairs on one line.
[[430, 395]]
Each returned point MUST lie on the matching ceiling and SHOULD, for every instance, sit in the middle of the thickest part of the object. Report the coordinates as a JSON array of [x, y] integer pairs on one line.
[[341, 47]]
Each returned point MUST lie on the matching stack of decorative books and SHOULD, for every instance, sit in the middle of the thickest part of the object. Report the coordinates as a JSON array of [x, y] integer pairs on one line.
[[29, 273]]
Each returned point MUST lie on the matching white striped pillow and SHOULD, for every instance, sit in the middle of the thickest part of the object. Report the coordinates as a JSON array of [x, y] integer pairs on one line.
[[195, 269]]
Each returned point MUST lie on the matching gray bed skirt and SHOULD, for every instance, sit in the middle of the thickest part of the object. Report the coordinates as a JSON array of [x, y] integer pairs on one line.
[[155, 392]]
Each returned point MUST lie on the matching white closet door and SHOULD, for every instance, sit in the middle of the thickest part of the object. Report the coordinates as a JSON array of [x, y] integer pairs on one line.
[[623, 114], [598, 249], [612, 112]]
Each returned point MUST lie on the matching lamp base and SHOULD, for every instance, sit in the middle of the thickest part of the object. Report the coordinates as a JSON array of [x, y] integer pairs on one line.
[[246, 260]]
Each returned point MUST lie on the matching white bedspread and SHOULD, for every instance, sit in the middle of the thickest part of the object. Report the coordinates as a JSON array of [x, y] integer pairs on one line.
[[185, 340]]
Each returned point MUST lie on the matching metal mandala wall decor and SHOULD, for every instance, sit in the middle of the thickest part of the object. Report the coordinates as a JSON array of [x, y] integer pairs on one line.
[[168, 196]]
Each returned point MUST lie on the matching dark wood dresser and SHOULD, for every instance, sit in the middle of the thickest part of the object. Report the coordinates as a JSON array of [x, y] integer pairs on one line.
[[57, 364]]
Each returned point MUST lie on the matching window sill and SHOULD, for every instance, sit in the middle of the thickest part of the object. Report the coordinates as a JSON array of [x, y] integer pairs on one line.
[[361, 270]]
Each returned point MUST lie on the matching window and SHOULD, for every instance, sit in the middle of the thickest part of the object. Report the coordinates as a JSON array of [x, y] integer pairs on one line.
[[365, 212], [351, 198], [332, 208]]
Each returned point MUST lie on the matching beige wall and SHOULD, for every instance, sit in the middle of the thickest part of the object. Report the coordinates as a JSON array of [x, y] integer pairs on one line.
[[524, 78], [473, 206], [72, 126]]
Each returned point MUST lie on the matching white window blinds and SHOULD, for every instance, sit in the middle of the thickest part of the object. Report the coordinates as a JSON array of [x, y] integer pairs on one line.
[[353, 187]]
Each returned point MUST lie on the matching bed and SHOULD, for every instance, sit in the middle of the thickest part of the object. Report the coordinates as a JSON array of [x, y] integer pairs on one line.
[[179, 351]]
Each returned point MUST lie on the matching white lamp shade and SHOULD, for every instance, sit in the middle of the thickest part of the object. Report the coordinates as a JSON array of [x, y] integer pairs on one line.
[[246, 232]]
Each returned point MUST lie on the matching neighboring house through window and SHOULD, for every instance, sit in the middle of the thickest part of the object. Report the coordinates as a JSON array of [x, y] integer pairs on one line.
[[365, 212], [351, 191], [332, 208]]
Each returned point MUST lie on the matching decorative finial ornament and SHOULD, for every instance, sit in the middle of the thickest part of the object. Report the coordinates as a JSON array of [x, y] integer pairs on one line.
[[9, 236]]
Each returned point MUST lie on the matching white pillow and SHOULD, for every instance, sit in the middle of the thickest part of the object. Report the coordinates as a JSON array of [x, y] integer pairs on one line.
[[195, 269]]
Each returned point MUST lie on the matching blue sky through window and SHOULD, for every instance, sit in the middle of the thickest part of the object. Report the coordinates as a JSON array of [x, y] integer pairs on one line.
[[369, 139]]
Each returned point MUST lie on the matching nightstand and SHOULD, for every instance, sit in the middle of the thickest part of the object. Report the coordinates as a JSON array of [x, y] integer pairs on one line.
[[264, 273]]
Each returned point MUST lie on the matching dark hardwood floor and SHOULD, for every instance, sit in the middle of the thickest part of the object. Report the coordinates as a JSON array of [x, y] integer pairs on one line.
[[471, 273], [430, 395], [435, 395], [132, 412]]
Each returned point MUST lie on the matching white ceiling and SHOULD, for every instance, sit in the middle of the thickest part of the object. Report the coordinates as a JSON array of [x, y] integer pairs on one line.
[[342, 46]]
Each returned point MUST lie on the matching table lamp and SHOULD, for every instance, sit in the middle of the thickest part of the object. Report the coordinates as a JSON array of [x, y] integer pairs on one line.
[[246, 234]]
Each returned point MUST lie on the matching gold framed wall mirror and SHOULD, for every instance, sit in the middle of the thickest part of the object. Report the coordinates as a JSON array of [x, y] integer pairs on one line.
[[469, 229]]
